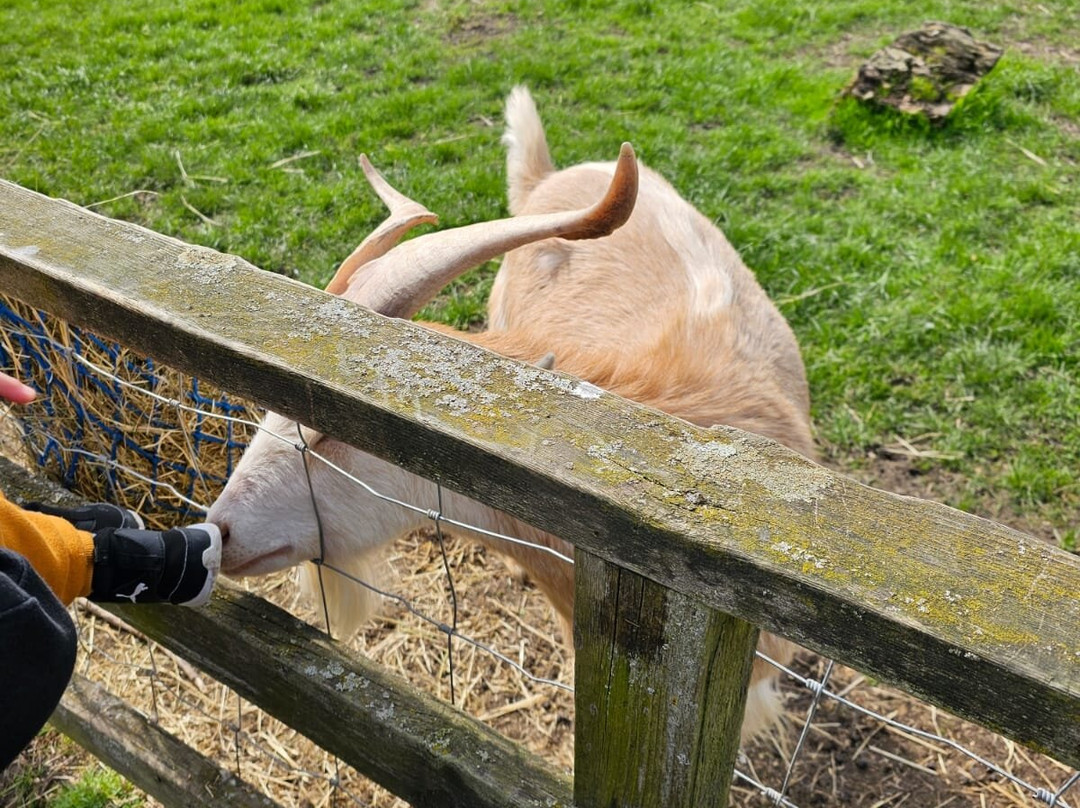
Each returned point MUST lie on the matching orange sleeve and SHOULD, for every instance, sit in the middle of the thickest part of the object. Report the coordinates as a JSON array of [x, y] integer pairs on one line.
[[62, 555]]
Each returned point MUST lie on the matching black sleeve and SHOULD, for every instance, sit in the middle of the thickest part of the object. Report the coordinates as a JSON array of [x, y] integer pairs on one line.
[[37, 654]]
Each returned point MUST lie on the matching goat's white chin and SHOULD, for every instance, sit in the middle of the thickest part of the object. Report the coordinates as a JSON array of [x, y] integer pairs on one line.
[[269, 562]]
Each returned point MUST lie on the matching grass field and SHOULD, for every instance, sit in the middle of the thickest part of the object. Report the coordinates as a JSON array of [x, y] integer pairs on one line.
[[932, 275]]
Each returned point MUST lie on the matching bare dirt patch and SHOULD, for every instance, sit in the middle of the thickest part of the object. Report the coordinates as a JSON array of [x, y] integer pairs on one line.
[[478, 29], [851, 759], [849, 49]]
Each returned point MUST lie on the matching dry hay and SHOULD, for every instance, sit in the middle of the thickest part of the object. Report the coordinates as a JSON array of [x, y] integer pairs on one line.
[[849, 759]]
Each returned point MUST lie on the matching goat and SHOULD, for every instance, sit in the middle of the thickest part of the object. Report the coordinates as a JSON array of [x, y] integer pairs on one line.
[[662, 311]]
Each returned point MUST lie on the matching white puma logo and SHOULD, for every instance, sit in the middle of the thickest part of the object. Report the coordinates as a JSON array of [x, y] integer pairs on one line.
[[139, 589]]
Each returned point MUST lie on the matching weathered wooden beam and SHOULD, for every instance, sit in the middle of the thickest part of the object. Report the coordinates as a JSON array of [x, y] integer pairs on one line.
[[659, 693], [914, 593], [162, 766], [413, 744]]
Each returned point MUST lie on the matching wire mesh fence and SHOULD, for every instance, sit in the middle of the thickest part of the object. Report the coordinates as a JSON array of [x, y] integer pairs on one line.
[[117, 427]]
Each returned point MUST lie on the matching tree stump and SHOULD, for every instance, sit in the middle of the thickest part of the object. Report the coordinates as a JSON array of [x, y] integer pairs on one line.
[[925, 72]]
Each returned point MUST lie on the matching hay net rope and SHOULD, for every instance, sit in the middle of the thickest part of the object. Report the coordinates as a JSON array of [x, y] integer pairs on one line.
[[119, 427], [141, 435]]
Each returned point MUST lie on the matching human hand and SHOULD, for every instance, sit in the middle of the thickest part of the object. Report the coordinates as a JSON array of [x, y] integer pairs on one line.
[[14, 390]]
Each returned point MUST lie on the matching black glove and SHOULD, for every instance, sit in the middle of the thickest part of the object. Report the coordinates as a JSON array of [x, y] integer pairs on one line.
[[144, 566], [92, 517]]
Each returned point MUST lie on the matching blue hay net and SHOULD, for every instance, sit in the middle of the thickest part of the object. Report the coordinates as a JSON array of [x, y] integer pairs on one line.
[[87, 425]]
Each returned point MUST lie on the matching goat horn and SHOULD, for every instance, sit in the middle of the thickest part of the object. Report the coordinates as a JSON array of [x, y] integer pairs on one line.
[[546, 362], [405, 214], [399, 282]]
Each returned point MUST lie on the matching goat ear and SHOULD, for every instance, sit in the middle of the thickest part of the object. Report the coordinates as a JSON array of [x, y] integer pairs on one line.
[[405, 214], [546, 362]]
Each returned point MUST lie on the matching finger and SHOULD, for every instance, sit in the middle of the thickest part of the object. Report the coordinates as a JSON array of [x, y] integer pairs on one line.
[[14, 390]]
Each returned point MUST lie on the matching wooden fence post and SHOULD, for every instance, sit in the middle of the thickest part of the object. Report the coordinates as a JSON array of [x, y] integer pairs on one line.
[[660, 689]]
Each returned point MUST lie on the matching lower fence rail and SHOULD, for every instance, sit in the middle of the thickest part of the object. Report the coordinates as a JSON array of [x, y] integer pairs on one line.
[[155, 761], [412, 744]]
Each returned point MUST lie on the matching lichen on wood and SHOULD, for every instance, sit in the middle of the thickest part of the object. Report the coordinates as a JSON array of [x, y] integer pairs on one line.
[[660, 691]]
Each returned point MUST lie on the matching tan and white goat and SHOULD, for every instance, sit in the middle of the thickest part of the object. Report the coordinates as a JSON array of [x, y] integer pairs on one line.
[[662, 311]]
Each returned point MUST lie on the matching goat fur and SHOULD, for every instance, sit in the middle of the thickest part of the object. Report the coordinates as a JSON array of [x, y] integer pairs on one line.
[[663, 311]]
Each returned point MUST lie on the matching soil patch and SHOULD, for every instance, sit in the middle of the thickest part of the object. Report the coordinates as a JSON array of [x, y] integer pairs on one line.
[[478, 29]]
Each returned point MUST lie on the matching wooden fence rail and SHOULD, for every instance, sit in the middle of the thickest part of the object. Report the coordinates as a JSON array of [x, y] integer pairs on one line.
[[911, 592], [413, 744]]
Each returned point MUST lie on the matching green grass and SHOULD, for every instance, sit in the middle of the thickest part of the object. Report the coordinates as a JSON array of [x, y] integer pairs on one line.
[[55, 773], [98, 787], [931, 274]]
